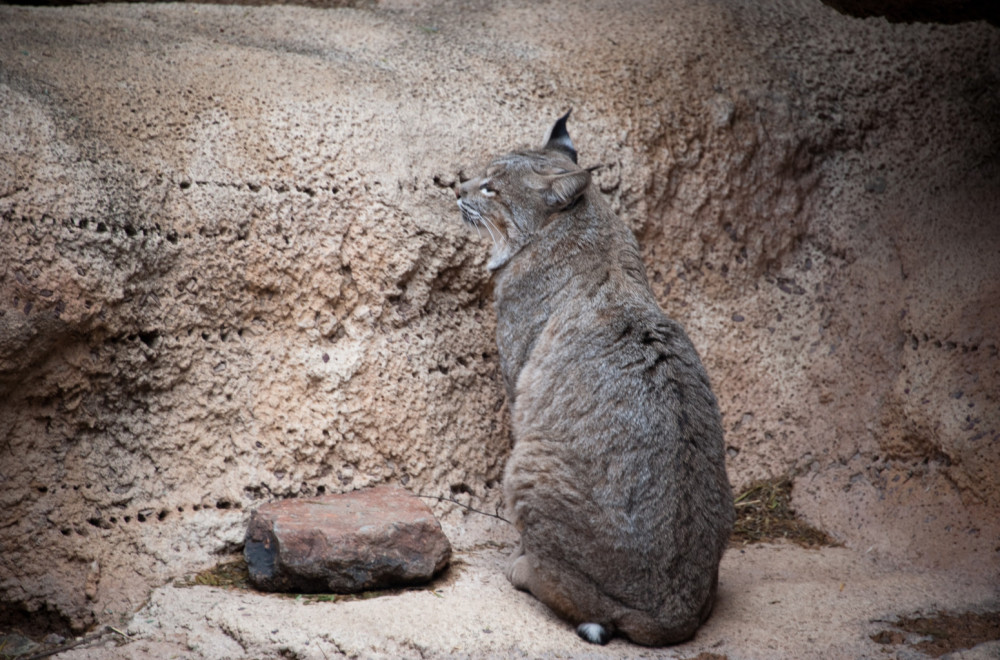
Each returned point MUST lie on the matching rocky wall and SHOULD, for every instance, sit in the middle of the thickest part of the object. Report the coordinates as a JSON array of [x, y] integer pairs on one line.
[[231, 268]]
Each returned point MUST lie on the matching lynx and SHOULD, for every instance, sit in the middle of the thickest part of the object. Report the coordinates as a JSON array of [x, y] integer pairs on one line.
[[617, 479]]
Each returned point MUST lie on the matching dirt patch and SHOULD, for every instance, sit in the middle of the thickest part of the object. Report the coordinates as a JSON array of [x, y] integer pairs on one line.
[[230, 574], [764, 514], [942, 633]]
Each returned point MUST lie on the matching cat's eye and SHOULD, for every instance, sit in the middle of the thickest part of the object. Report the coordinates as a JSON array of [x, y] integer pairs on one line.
[[487, 190]]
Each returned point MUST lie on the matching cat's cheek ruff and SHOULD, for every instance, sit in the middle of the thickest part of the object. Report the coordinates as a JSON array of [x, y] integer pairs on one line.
[[498, 259]]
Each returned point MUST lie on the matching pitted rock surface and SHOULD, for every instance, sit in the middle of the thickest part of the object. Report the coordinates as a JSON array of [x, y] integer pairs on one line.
[[373, 538], [232, 270]]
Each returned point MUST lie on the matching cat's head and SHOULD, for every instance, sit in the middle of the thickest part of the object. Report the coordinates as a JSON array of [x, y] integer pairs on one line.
[[519, 193]]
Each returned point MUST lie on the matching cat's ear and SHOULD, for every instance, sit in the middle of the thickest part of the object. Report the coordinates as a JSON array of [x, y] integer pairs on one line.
[[558, 137], [564, 189]]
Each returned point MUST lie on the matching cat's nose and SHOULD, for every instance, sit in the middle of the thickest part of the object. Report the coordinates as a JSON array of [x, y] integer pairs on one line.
[[458, 191]]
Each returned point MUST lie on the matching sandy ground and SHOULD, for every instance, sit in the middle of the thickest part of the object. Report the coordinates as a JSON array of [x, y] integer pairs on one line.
[[776, 601]]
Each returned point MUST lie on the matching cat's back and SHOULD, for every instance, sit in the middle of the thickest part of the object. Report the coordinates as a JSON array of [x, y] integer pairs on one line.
[[617, 427], [616, 396]]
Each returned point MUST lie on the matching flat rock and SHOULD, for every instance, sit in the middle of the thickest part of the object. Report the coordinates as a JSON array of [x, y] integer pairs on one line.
[[367, 539]]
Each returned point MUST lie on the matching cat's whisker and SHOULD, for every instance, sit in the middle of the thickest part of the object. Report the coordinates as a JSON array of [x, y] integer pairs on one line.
[[489, 224], [467, 216], [479, 220], [472, 217], [486, 223]]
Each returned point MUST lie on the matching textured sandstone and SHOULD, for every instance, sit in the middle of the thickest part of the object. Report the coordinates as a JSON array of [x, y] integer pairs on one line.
[[231, 268], [369, 539]]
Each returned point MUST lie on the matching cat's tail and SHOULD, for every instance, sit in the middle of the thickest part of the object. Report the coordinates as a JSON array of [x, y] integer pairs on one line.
[[595, 633]]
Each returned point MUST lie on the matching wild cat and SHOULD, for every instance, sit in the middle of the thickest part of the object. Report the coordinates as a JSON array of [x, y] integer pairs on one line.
[[617, 479]]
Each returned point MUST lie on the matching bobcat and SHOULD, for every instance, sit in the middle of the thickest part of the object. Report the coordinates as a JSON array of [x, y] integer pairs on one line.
[[617, 479]]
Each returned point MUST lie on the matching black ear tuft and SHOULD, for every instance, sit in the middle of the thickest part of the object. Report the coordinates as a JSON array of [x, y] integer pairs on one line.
[[558, 137]]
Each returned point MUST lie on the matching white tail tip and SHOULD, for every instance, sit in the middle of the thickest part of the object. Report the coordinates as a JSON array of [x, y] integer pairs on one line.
[[594, 633]]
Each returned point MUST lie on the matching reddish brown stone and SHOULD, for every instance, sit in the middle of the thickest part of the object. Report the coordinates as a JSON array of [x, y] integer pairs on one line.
[[369, 539]]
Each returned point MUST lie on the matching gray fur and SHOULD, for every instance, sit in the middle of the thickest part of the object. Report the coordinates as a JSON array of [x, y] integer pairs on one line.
[[617, 479]]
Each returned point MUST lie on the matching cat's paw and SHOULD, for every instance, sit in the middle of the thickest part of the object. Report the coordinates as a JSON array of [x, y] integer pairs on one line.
[[519, 573]]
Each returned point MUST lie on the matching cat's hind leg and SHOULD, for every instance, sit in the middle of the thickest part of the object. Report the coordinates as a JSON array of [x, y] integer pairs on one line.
[[525, 574]]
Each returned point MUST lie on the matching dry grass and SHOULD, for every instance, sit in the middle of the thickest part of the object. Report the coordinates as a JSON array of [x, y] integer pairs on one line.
[[231, 574], [764, 513]]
